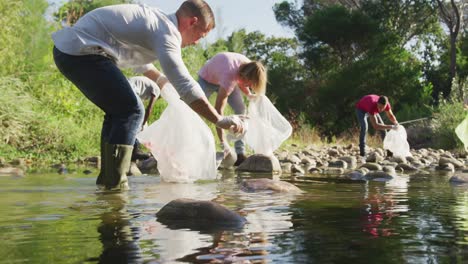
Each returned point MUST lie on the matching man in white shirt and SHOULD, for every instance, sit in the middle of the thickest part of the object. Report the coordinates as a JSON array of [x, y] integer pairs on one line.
[[91, 53], [146, 90]]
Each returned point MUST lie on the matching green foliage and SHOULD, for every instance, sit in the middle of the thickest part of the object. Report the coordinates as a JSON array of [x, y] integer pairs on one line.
[[447, 118], [71, 11]]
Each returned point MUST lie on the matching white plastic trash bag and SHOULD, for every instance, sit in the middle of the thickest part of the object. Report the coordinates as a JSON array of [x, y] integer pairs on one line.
[[181, 142], [396, 142], [462, 132], [267, 128]]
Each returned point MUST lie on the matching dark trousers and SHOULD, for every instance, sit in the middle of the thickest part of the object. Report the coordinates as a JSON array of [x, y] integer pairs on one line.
[[102, 82], [362, 118]]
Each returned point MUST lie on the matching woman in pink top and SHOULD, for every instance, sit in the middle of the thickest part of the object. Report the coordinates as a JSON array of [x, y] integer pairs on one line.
[[228, 74], [371, 105]]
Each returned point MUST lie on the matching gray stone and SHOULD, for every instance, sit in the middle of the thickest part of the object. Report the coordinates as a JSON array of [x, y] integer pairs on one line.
[[338, 164], [446, 160], [198, 214], [448, 167], [260, 163], [264, 184], [293, 159], [371, 166], [332, 170], [352, 161], [459, 179], [149, 166], [405, 167], [314, 170], [297, 169], [378, 175], [355, 175]]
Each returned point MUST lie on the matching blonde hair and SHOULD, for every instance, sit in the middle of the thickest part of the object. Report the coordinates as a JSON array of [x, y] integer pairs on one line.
[[199, 9], [256, 73]]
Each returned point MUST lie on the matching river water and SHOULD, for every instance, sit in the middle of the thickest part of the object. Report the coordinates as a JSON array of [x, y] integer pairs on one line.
[[52, 218]]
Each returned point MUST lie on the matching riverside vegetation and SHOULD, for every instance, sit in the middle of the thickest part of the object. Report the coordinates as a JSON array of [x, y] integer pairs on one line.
[[314, 79]]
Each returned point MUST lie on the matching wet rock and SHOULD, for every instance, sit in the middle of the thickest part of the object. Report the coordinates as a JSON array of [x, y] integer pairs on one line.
[[286, 166], [197, 214], [148, 166], [446, 160], [333, 152], [459, 179], [315, 170], [332, 170], [338, 164], [293, 159], [371, 166], [398, 159], [417, 164], [406, 167], [322, 163], [350, 160], [264, 184], [297, 169], [260, 163], [308, 161], [355, 175], [378, 175], [283, 155], [11, 171], [448, 167], [389, 169], [375, 157]]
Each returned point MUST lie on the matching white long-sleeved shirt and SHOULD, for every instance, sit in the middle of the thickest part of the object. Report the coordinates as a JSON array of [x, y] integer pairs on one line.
[[134, 36]]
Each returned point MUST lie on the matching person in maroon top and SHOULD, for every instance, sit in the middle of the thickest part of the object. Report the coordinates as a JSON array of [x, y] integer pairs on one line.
[[370, 106]]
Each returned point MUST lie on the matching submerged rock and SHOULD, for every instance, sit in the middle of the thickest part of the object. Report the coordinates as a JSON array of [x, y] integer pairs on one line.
[[197, 214], [264, 184], [378, 175], [459, 179]]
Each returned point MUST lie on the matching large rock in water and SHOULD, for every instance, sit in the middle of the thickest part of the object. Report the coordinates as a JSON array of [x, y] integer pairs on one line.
[[198, 215], [260, 163], [264, 184], [459, 179]]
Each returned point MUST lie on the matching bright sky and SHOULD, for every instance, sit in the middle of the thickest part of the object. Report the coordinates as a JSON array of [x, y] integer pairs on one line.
[[231, 15]]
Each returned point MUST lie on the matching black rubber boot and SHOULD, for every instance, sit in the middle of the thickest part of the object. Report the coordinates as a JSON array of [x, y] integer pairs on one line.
[[118, 165], [102, 172]]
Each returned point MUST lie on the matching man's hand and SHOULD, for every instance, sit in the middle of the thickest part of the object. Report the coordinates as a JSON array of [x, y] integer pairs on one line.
[[234, 122]]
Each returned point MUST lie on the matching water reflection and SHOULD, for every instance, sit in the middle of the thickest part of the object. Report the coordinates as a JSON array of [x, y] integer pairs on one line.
[[381, 204], [119, 240]]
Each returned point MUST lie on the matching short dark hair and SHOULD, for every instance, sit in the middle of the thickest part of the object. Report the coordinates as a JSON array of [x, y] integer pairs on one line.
[[199, 9], [383, 100]]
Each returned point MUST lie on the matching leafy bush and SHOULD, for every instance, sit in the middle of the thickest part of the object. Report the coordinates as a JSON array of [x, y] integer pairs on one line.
[[447, 118]]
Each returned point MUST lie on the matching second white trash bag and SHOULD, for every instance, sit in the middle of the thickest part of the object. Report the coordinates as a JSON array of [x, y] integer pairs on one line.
[[267, 128], [396, 142], [462, 132], [181, 142]]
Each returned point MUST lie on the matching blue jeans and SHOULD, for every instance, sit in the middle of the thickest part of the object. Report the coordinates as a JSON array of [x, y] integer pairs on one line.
[[362, 118], [102, 82], [234, 100]]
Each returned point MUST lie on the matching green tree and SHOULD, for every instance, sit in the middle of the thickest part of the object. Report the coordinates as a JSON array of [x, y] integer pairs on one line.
[[71, 11]]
